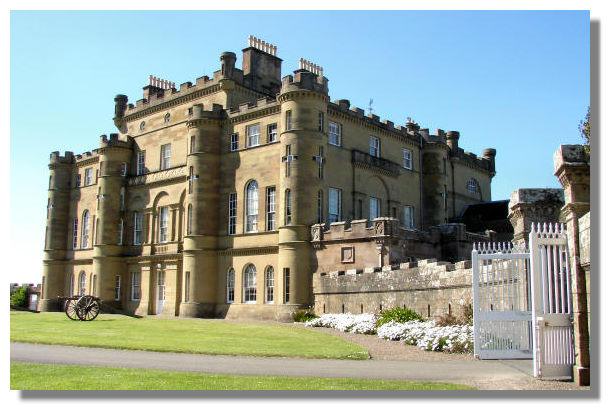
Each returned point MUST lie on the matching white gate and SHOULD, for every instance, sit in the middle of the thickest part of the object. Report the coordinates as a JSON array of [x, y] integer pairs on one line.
[[552, 308], [522, 301], [502, 305]]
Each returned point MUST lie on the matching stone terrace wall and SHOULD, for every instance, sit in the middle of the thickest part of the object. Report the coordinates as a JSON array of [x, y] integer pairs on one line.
[[429, 287]]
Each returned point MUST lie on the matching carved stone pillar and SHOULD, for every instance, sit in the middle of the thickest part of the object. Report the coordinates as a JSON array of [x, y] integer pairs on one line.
[[572, 170], [533, 205]]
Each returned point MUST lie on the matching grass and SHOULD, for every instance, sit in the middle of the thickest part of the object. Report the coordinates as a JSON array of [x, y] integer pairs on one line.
[[28, 376], [182, 335]]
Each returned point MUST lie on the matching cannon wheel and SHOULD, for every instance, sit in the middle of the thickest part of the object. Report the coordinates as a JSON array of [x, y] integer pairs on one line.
[[70, 309], [87, 308]]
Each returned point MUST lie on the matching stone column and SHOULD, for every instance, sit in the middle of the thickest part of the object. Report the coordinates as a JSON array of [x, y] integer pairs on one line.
[[572, 170]]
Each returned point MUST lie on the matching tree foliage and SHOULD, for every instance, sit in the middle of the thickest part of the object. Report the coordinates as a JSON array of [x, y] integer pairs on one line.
[[19, 298], [585, 126]]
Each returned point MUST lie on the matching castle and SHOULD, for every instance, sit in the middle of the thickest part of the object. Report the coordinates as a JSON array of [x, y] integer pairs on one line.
[[223, 197]]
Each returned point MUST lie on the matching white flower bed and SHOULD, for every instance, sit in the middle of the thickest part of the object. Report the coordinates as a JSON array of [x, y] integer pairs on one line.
[[352, 323], [426, 335]]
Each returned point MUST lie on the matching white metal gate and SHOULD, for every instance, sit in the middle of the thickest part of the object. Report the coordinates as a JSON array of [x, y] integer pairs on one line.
[[502, 305], [522, 301], [552, 307]]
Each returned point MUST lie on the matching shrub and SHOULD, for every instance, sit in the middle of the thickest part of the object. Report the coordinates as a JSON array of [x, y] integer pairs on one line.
[[19, 298], [398, 315], [467, 314], [351, 323], [302, 316], [448, 320]]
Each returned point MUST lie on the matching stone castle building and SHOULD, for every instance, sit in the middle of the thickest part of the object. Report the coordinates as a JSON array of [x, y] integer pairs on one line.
[[223, 197]]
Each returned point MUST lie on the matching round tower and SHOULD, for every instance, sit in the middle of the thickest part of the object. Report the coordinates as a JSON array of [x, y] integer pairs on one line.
[[107, 259], [202, 202], [303, 101], [56, 231]]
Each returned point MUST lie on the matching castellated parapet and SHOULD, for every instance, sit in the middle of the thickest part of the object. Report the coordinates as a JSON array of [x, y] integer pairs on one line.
[[432, 288]]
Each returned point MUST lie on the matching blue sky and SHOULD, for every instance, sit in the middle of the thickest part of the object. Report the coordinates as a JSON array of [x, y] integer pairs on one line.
[[516, 81]]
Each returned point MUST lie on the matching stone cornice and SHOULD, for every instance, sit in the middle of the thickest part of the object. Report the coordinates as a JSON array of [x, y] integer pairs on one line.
[[87, 162], [261, 112], [301, 93]]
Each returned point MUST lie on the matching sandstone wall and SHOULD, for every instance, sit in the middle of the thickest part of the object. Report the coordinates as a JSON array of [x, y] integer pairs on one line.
[[429, 287]]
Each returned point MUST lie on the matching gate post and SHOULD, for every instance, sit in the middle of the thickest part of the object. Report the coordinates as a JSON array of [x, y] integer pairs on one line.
[[536, 294], [475, 282], [571, 164]]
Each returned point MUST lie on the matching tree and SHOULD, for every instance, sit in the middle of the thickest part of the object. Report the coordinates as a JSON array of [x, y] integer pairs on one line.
[[585, 126], [18, 298]]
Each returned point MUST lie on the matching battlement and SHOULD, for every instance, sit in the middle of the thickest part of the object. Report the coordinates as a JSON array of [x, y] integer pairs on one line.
[[252, 106], [165, 95], [430, 266], [199, 111], [56, 158], [343, 106], [88, 155], [114, 141], [303, 79]]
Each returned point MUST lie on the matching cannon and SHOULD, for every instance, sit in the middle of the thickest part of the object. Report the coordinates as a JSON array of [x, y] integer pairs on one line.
[[82, 307]]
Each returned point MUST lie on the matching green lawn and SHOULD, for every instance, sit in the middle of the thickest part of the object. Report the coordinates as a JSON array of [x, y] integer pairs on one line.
[[182, 335], [28, 376]]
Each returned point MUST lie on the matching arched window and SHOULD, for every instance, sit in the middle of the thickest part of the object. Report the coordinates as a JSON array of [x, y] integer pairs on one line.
[[249, 284], [472, 185], [252, 207], [82, 282], [189, 220], [230, 286], [85, 230], [163, 224], [71, 285], [269, 283]]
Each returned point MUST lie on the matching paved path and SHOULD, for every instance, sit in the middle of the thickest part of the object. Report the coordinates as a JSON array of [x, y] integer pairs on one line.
[[451, 371]]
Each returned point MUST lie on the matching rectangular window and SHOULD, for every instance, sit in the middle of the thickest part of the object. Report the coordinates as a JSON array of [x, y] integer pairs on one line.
[[122, 198], [187, 287], [319, 207], [123, 169], [321, 121], [320, 159], [120, 232], [270, 222], [78, 181], [88, 176], [287, 160], [232, 213], [374, 146], [269, 285], [287, 207], [165, 156], [335, 134], [335, 204], [360, 208], [288, 119], [286, 285], [137, 237], [234, 142], [135, 286], [93, 285], [118, 283], [253, 133], [140, 163], [407, 156], [192, 144], [272, 133], [163, 221], [75, 232], [190, 179], [408, 217], [374, 208]]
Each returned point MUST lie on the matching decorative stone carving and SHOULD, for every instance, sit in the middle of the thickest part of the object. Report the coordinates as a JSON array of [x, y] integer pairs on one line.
[[158, 176], [347, 254]]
